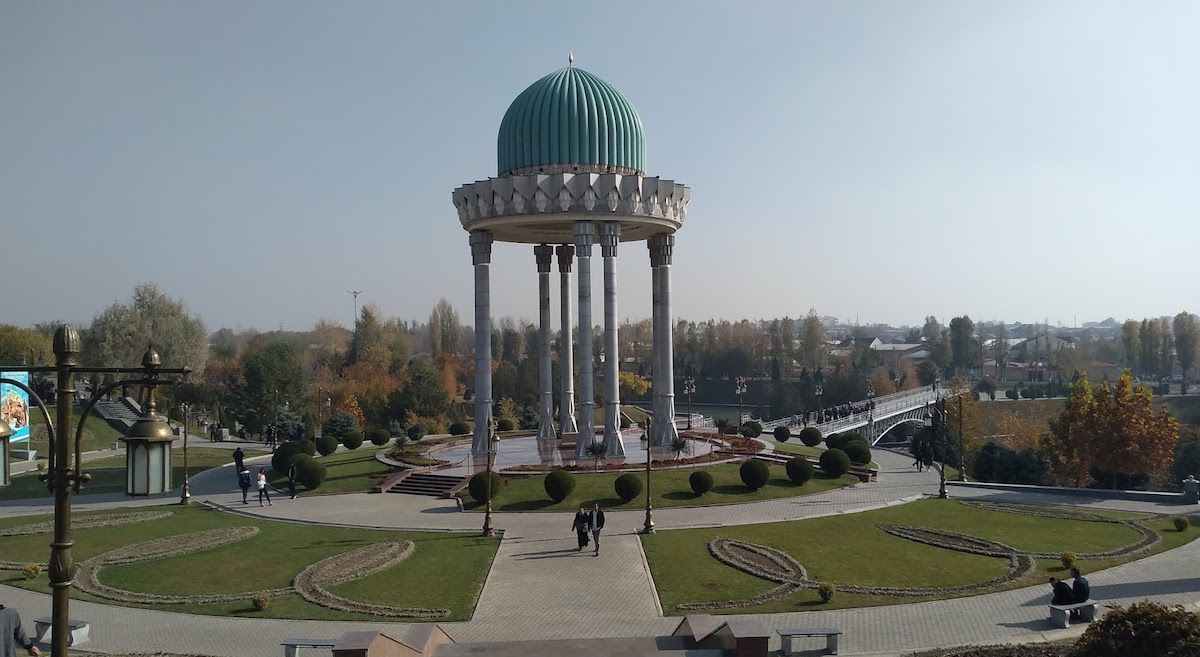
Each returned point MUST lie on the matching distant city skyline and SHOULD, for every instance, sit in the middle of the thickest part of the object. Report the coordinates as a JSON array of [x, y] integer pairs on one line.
[[1017, 161]]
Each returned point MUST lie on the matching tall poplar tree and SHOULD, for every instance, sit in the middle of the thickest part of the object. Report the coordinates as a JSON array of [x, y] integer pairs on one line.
[[1186, 334], [1129, 339]]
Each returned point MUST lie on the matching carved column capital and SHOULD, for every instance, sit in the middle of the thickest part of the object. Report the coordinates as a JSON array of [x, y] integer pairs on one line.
[[481, 247], [566, 255], [544, 254], [610, 236], [661, 249]]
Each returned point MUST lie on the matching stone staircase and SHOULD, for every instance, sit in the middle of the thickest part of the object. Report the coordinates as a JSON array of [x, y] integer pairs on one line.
[[119, 413], [433, 485]]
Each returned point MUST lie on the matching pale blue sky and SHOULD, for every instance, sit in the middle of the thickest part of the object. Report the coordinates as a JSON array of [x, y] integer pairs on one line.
[[884, 160]]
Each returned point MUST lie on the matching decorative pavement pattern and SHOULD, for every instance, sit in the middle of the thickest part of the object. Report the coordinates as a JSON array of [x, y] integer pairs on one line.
[[540, 587]]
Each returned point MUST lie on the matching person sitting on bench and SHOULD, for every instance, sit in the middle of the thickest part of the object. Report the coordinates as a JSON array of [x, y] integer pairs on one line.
[[1062, 592], [1081, 591]]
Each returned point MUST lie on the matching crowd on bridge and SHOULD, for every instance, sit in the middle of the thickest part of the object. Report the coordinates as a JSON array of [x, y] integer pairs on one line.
[[832, 413]]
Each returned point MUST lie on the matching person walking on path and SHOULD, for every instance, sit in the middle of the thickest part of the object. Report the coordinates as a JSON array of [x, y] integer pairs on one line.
[[238, 457], [581, 524], [262, 487], [12, 635], [244, 483], [292, 480], [596, 519]]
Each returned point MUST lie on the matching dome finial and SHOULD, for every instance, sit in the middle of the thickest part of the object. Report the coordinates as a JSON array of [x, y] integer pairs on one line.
[[571, 59]]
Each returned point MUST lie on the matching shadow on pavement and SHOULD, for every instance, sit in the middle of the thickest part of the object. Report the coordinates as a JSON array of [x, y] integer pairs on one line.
[[549, 554], [1106, 592]]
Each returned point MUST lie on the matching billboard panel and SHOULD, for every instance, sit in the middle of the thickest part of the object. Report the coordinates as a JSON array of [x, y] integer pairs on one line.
[[14, 405]]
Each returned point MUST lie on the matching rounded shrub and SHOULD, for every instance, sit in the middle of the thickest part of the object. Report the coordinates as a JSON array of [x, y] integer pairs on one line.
[[701, 482], [858, 452], [309, 472], [751, 429], [327, 445], [352, 440], [782, 433], [833, 440], [31, 571], [852, 436], [1068, 559], [460, 428], [415, 432], [477, 486], [309, 447], [1143, 629], [282, 458], [379, 437], [1181, 523], [826, 592], [811, 436], [754, 474], [260, 601], [628, 486], [505, 424], [559, 485], [799, 470], [834, 462]]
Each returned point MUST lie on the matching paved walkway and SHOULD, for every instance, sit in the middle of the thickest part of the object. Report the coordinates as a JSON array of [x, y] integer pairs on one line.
[[541, 588]]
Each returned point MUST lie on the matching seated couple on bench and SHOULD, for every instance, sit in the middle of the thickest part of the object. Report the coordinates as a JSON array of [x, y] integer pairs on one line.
[[1071, 601]]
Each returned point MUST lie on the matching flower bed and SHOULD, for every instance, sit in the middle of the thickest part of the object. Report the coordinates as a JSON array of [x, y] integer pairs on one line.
[[311, 583], [87, 522]]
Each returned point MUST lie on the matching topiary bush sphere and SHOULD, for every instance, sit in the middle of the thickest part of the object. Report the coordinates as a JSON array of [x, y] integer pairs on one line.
[[327, 445], [1143, 629], [460, 428], [751, 430], [826, 592], [309, 447], [505, 424], [1180, 522], [833, 441], [628, 486], [352, 440], [379, 437], [754, 474], [858, 452], [282, 458], [559, 485], [834, 462], [415, 432], [782, 433], [309, 471], [811, 436], [477, 486], [799, 470], [701, 482]]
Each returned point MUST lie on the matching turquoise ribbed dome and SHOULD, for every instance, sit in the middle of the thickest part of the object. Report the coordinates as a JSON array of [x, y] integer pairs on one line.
[[570, 121]]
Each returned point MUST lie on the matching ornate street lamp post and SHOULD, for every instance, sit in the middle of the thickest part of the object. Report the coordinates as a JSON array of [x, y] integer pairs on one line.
[[818, 391], [64, 474], [933, 420], [488, 530], [648, 527], [185, 497], [689, 387], [870, 413], [962, 476], [740, 383]]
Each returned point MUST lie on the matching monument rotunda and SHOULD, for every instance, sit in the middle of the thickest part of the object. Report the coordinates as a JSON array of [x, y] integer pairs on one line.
[[570, 172]]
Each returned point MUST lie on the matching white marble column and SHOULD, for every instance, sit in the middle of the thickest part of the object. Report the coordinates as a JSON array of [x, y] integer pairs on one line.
[[661, 248], [656, 355], [610, 236], [481, 257], [544, 254], [566, 362], [584, 238]]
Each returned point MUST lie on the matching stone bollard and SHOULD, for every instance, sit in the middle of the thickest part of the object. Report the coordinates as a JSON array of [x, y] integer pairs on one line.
[[1191, 490]]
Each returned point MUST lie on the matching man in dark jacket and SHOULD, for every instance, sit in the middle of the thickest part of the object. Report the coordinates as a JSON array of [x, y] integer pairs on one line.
[[292, 479], [238, 457], [1081, 591], [597, 520], [1062, 592], [12, 635]]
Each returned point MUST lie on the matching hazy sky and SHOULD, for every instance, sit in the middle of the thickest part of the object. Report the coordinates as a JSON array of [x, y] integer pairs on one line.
[[879, 160]]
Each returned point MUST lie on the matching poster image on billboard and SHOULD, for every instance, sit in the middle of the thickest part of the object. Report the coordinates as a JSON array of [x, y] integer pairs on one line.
[[14, 406]]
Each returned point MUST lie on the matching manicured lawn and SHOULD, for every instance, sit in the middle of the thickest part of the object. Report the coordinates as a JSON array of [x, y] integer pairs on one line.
[[446, 571], [354, 471], [108, 474], [96, 433], [850, 549], [669, 488]]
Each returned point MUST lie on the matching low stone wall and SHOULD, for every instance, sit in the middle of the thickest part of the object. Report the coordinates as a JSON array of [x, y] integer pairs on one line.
[[1094, 493]]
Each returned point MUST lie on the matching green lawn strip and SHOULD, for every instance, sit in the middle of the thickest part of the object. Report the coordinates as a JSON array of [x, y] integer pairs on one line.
[[355, 471], [96, 433], [446, 570], [109, 476], [800, 448], [669, 488], [849, 549]]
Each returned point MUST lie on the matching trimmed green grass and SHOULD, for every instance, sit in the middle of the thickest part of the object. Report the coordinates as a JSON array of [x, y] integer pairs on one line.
[[849, 549], [356, 471], [96, 433], [668, 488], [109, 476], [447, 570]]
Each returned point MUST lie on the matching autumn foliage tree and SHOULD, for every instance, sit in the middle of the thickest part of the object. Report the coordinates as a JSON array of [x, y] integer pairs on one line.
[[1110, 428]]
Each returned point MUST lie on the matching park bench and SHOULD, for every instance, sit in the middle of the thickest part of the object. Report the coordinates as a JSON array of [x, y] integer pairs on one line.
[[291, 647], [78, 630], [831, 637], [1060, 615]]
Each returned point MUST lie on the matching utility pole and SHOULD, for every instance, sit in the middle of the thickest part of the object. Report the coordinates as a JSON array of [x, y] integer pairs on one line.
[[355, 293]]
